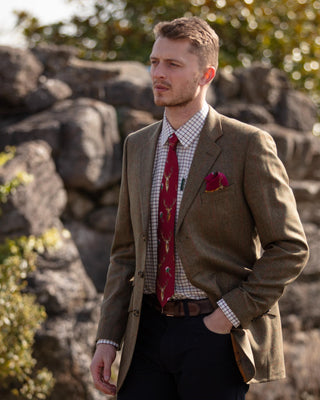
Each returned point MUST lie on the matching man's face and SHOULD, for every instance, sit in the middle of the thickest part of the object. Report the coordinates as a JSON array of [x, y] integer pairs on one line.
[[175, 73]]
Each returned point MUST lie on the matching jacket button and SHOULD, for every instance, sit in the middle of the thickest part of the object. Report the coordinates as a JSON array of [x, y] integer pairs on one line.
[[136, 313], [141, 274]]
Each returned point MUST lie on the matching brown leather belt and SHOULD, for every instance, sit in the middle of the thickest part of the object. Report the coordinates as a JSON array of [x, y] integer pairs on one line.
[[180, 308]]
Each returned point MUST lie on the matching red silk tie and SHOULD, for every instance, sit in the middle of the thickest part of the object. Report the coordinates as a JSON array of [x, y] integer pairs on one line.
[[166, 224]]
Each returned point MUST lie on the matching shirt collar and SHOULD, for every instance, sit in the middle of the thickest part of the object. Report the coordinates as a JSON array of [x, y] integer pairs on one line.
[[188, 132]]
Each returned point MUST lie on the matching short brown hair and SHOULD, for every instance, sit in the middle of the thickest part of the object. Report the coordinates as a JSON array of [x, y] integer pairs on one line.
[[203, 39]]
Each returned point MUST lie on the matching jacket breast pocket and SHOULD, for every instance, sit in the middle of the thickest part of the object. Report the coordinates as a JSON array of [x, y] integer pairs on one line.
[[217, 194], [221, 203]]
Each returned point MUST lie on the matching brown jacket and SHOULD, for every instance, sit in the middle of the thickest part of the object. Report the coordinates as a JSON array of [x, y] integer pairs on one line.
[[244, 243]]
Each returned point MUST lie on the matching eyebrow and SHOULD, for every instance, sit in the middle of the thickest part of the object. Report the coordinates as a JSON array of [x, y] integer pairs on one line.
[[167, 59]]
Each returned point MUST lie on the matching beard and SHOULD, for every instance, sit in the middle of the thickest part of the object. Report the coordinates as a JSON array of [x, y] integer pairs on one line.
[[181, 101], [176, 98]]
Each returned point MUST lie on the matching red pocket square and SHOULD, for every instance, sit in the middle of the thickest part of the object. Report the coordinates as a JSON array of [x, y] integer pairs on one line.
[[215, 181]]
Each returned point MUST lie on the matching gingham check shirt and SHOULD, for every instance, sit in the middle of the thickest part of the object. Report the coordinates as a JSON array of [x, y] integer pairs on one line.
[[188, 136]]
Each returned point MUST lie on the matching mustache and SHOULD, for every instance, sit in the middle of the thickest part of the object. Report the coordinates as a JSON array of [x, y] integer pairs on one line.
[[161, 83]]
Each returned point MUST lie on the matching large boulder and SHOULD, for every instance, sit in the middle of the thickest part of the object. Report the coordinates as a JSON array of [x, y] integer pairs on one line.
[[296, 110], [131, 120], [46, 94], [36, 204], [65, 341], [64, 345], [132, 87], [84, 138], [60, 283], [86, 78], [90, 155], [249, 113], [260, 84], [94, 249], [270, 87], [119, 83], [53, 57], [226, 85], [19, 74]]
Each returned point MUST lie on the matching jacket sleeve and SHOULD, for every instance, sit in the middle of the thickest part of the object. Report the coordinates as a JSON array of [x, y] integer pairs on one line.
[[118, 288], [285, 250]]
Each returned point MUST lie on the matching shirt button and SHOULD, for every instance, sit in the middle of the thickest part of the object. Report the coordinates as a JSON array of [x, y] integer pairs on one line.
[[136, 313]]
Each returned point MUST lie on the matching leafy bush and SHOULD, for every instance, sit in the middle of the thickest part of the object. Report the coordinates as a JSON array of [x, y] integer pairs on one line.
[[20, 315]]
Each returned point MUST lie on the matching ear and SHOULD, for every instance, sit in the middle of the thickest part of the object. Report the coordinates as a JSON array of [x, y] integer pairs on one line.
[[208, 75]]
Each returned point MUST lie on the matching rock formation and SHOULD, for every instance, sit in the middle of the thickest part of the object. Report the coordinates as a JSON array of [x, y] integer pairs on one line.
[[67, 119]]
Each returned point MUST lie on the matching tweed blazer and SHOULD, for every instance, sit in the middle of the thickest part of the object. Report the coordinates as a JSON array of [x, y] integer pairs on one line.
[[244, 243]]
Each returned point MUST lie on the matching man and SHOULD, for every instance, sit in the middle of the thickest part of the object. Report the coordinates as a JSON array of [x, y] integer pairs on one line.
[[207, 237]]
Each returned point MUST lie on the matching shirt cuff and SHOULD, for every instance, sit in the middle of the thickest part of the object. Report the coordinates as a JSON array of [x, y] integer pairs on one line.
[[228, 313], [105, 341]]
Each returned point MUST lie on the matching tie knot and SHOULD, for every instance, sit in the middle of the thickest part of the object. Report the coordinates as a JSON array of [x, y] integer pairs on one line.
[[173, 141]]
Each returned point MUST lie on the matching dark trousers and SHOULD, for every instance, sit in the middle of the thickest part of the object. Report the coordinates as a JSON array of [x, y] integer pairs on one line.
[[178, 358]]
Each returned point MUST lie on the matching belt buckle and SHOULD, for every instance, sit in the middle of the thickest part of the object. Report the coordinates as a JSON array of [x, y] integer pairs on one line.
[[169, 313]]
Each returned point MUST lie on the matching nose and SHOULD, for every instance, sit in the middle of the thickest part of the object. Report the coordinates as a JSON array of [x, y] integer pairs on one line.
[[158, 71]]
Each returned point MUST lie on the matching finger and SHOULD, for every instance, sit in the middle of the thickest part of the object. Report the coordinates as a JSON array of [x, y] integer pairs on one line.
[[107, 372], [106, 388], [104, 385], [110, 387]]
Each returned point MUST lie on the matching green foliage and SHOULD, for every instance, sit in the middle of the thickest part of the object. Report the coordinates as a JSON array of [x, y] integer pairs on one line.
[[7, 155], [10, 187], [285, 33], [21, 178], [20, 315]]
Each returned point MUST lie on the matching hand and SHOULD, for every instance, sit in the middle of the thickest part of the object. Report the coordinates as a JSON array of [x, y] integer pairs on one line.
[[102, 361], [217, 322]]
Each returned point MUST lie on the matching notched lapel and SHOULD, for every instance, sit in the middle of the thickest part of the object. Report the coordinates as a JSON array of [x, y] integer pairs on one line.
[[204, 158]]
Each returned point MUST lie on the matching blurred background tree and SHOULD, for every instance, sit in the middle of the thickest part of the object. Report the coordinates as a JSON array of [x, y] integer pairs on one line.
[[281, 33]]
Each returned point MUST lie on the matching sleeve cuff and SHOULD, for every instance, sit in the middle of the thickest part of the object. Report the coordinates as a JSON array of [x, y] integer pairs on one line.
[[105, 341], [228, 313]]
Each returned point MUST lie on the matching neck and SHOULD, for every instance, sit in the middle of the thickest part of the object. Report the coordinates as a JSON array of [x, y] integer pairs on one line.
[[180, 114]]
